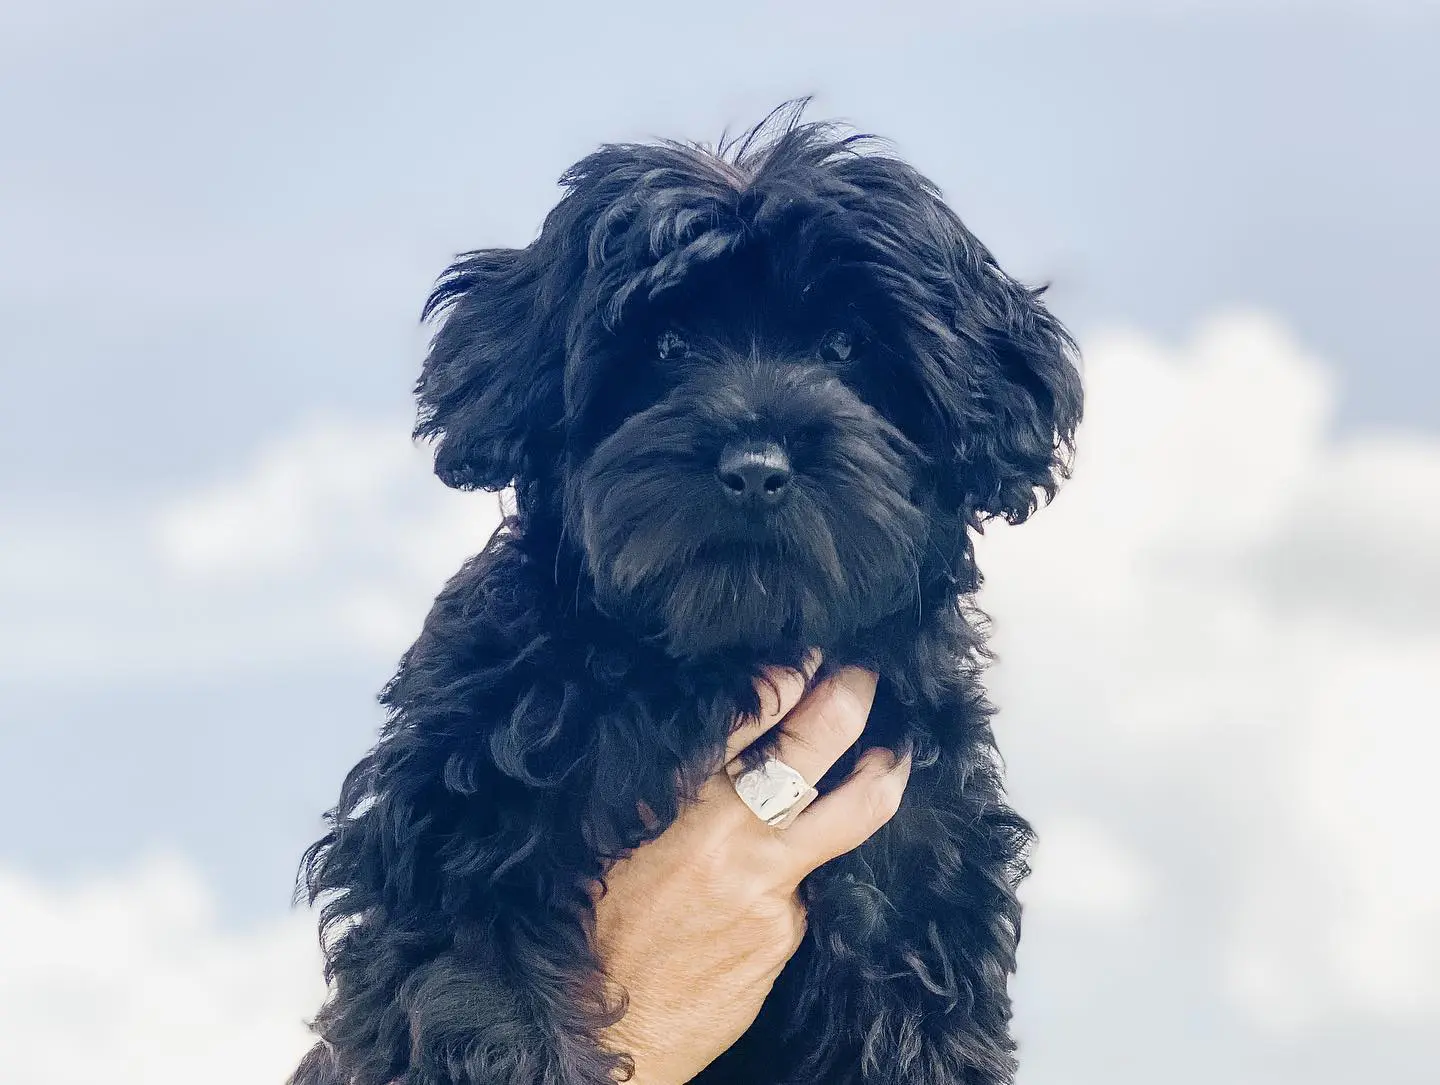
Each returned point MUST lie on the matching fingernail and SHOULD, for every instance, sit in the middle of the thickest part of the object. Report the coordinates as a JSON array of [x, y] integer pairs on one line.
[[811, 663]]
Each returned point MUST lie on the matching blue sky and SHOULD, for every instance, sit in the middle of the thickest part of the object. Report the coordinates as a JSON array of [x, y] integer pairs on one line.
[[219, 222]]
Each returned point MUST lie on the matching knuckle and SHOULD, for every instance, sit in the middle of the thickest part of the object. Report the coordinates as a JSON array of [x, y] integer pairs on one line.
[[785, 919], [882, 800], [843, 718], [799, 924], [710, 858], [705, 867], [779, 692]]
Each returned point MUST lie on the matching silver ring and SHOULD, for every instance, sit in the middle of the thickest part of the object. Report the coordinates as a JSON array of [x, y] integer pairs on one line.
[[774, 792]]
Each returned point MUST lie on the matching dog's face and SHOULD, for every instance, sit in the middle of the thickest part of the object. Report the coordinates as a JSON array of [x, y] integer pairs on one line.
[[744, 468], [764, 396]]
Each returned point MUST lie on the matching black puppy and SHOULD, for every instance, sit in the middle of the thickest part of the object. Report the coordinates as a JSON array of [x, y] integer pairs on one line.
[[751, 400]]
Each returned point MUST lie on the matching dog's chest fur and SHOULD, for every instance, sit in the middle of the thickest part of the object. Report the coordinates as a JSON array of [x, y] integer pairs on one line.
[[524, 733]]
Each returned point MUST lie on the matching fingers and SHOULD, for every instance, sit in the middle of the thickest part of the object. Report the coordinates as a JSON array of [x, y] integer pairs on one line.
[[845, 818], [819, 730], [779, 693]]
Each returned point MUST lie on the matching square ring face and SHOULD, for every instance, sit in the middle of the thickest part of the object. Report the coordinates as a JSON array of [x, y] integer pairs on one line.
[[772, 790], [787, 817]]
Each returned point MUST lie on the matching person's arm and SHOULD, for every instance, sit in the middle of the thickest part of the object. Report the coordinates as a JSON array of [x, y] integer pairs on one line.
[[696, 925]]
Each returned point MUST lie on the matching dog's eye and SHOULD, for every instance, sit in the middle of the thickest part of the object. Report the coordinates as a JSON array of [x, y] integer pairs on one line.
[[671, 344], [837, 346]]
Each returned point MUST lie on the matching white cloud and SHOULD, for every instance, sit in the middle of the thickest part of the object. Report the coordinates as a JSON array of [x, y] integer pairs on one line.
[[1227, 627], [1081, 870], [294, 506], [129, 979], [329, 543]]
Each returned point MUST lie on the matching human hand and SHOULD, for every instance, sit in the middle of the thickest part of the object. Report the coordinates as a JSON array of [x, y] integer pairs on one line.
[[696, 925]]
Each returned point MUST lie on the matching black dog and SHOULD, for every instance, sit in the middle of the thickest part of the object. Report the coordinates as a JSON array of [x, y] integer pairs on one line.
[[751, 400]]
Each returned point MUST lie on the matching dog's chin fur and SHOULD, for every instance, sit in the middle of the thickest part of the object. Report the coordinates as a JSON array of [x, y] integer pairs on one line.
[[751, 601], [591, 662]]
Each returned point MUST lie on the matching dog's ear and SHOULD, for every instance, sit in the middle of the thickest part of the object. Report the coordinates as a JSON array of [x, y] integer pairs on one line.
[[483, 390], [1013, 431], [999, 371], [1002, 373], [490, 391]]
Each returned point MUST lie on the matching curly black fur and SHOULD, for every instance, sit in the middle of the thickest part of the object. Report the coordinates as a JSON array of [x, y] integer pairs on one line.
[[600, 648]]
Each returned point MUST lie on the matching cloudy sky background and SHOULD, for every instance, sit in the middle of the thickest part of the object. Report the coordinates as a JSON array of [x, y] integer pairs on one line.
[[1221, 646]]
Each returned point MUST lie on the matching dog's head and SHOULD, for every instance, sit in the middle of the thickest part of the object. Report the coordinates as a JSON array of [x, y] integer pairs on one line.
[[765, 389]]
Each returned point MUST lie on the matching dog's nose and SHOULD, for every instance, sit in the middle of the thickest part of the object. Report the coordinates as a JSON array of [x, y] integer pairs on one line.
[[754, 474]]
